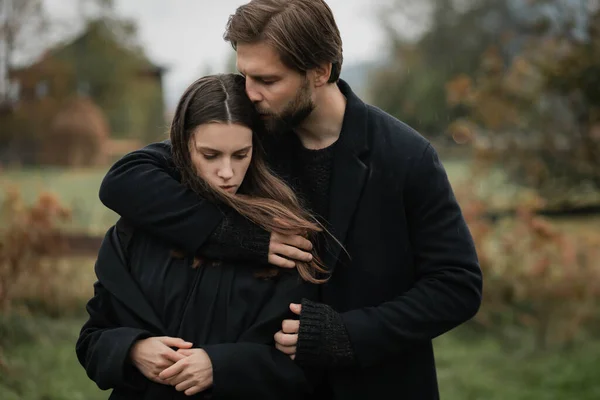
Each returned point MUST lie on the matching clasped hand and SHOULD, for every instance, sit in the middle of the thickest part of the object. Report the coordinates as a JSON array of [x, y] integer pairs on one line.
[[188, 370]]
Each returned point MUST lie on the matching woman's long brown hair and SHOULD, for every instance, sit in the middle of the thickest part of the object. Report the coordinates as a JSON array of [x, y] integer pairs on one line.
[[263, 198]]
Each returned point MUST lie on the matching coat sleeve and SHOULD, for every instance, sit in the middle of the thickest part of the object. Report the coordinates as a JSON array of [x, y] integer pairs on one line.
[[448, 286], [144, 187], [103, 347]]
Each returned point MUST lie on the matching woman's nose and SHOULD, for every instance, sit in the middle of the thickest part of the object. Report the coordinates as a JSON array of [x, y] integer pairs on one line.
[[226, 172]]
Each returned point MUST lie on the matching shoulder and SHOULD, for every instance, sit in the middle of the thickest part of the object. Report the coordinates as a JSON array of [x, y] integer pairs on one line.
[[139, 245], [396, 148], [391, 131]]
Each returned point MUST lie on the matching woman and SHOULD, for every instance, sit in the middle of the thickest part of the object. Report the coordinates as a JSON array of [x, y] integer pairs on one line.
[[167, 325]]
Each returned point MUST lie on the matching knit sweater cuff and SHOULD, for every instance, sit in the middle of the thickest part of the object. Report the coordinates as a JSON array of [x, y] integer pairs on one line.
[[322, 338], [237, 238]]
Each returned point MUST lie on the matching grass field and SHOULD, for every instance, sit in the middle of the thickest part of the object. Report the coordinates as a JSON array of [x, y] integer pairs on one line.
[[77, 189], [477, 369]]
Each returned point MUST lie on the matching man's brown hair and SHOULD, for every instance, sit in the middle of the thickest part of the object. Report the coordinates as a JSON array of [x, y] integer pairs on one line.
[[303, 32]]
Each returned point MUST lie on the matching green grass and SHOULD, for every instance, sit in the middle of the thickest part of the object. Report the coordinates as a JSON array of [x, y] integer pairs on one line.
[[43, 366], [76, 189], [477, 369]]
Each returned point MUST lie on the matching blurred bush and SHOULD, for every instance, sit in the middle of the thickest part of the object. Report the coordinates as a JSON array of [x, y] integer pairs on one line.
[[537, 116], [77, 135], [538, 278], [29, 234]]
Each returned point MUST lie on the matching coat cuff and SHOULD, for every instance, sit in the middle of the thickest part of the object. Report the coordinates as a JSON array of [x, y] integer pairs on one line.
[[322, 338], [237, 238], [124, 373]]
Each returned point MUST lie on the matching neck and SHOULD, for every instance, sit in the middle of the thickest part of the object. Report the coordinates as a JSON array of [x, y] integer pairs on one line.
[[323, 126]]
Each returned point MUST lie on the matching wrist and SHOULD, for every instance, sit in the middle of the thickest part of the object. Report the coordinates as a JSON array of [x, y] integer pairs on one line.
[[209, 368], [322, 337]]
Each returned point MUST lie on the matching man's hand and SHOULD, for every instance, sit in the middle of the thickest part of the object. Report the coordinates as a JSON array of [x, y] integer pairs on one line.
[[151, 356], [286, 339], [192, 374], [285, 250]]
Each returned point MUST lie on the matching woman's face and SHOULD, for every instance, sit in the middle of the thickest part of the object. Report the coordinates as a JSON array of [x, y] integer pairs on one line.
[[221, 154]]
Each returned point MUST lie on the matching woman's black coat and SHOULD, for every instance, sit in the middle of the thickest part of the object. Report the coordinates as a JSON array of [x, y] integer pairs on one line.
[[143, 291]]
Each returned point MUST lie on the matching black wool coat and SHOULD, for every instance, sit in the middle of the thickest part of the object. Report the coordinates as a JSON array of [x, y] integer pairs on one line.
[[143, 291]]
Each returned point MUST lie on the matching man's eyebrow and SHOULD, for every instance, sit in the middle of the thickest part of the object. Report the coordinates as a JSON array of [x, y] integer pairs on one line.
[[267, 77]]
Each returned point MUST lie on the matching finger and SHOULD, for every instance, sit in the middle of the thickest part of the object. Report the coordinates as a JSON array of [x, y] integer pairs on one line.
[[297, 241], [296, 308], [285, 339], [186, 352], [179, 378], [281, 223], [290, 326], [194, 390], [171, 355], [185, 385], [175, 342], [156, 379], [287, 350], [173, 370], [290, 252], [281, 262]]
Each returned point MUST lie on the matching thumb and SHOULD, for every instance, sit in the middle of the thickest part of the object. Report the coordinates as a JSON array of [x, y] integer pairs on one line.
[[296, 308], [175, 342]]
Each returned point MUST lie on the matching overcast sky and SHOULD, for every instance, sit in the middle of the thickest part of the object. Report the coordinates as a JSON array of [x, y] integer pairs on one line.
[[186, 36]]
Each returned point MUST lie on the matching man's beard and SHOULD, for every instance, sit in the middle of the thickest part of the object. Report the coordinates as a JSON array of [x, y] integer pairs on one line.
[[293, 114]]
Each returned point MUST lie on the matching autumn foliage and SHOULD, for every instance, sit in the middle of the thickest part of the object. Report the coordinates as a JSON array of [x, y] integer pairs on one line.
[[536, 114], [537, 276], [29, 234]]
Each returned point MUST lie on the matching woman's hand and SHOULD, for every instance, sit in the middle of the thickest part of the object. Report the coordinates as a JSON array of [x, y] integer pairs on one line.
[[192, 374], [153, 355]]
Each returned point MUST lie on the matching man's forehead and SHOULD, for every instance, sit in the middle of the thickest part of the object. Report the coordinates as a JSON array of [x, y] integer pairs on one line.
[[258, 60]]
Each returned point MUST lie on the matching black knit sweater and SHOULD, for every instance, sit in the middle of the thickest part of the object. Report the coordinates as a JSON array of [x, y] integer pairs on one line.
[[322, 339]]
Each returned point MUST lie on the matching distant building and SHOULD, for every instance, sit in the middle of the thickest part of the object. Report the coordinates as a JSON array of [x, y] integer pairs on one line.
[[100, 64]]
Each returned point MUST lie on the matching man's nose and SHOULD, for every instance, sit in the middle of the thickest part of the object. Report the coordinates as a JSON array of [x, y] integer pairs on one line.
[[252, 92]]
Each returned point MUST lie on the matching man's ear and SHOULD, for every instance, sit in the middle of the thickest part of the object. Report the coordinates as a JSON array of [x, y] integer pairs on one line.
[[321, 74]]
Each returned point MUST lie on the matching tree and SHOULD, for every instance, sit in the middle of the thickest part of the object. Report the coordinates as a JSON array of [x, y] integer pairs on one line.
[[539, 114], [411, 85], [21, 25]]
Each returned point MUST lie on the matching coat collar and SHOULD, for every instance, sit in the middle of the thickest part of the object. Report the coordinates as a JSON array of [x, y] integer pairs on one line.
[[349, 173]]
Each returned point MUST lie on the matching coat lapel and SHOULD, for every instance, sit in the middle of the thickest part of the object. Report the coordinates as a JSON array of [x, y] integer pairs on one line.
[[349, 173], [113, 274]]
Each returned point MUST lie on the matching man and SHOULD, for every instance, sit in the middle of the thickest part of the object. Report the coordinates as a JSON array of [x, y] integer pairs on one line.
[[408, 271]]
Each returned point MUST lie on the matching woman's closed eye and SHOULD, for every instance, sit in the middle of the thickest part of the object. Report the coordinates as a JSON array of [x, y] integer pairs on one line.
[[240, 156]]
